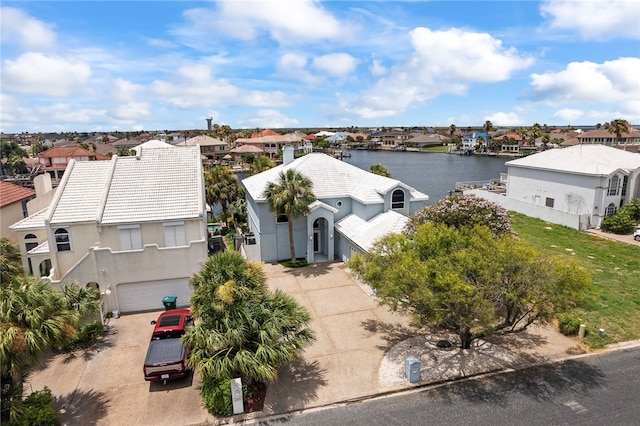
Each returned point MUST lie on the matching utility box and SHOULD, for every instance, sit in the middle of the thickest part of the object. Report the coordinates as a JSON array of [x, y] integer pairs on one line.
[[412, 369], [169, 302], [237, 400]]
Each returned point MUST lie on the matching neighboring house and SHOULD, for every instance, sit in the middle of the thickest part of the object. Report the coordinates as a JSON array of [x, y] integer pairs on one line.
[[604, 137], [353, 207], [577, 186], [13, 207], [421, 140], [473, 140], [273, 144], [212, 148], [134, 225], [55, 160], [390, 140]]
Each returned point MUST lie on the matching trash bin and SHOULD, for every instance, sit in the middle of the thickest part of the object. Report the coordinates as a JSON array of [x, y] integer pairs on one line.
[[169, 302], [412, 369]]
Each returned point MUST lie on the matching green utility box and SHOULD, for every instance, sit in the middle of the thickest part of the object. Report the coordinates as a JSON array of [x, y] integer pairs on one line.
[[169, 302]]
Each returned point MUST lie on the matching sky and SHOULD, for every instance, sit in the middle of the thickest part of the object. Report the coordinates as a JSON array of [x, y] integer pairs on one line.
[[155, 65]]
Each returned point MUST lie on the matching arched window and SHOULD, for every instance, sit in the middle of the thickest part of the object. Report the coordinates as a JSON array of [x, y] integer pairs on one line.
[[62, 239], [613, 186], [610, 210], [30, 242], [45, 268], [397, 199]]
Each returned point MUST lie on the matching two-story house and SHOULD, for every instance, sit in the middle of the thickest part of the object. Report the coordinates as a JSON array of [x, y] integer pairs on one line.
[[134, 225], [271, 145], [353, 209], [55, 160], [212, 148]]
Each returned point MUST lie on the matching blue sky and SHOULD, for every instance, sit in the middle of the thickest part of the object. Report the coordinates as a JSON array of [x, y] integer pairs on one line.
[[155, 65]]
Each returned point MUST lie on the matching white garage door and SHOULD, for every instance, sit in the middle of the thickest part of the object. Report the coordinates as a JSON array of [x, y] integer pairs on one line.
[[148, 295]]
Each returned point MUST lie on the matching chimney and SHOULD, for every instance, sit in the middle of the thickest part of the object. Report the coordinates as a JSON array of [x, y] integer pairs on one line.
[[287, 154], [209, 123]]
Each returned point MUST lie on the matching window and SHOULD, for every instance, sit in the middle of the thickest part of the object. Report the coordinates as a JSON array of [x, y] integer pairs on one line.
[[613, 186], [549, 202], [175, 234], [62, 239], [397, 199], [624, 186], [282, 218], [30, 242], [610, 210], [130, 237]]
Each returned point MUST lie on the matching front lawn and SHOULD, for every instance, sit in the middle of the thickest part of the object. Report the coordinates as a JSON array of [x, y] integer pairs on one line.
[[614, 303]]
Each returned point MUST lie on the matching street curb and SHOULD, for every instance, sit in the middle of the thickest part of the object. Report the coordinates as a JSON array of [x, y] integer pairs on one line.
[[250, 418]]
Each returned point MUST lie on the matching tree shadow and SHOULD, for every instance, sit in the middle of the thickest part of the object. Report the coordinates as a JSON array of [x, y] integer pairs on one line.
[[540, 383], [87, 354], [310, 271], [297, 385], [81, 407], [392, 334]]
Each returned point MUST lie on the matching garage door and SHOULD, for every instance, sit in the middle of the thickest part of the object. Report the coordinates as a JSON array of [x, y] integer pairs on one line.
[[148, 295]]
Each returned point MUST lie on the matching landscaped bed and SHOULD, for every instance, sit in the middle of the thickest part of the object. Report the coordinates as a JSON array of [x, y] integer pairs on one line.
[[614, 302]]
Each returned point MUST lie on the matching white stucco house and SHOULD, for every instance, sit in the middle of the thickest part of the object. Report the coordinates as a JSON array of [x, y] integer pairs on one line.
[[134, 227], [577, 186], [353, 209]]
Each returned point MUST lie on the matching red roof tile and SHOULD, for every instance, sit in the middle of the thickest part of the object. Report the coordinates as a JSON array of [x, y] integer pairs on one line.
[[71, 151], [10, 193]]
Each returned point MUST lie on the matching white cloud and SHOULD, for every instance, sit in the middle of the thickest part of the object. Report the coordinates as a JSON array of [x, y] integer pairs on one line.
[[589, 82], [28, 32], [502, 119], [269, 118], [63, 113], [443, 62], [156, 42], [257, 98], [594, 19], [131, 112], [377, 69], [568, 115], [293, 65], [36, 73], [336, 64]]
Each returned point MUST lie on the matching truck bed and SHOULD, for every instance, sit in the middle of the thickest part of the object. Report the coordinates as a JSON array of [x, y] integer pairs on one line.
[[164, 351]]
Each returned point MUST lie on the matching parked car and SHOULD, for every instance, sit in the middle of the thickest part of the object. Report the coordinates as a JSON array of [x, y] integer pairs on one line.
[[167, 356], [636, 235]]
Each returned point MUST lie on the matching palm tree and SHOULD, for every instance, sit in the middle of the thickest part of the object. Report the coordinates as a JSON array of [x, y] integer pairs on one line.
[[618, 126], [260, 164], [10, 261], [487, 127], [221, 187], [452, 129], [33, 317], [241, 328], [379, 169], [290, 195]]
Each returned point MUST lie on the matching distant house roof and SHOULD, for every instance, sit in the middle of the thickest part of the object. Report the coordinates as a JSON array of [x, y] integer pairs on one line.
[[247, 149], [159, 184], [265, 132], [331, 178], [202, 140], [10, 193], [366, 233], [598, 160], [288, 138], [71, 151]]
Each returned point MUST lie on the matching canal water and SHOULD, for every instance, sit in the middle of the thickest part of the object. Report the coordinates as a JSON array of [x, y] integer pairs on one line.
[[432, 173]]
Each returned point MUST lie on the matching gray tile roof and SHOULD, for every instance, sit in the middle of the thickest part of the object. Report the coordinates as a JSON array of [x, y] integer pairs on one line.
[[366, 233], [581, 159], [331, 178], [161, 184]]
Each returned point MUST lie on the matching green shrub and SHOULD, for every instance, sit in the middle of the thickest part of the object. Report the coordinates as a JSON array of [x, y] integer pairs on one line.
[[216, 395], [569, 324], [633, 208], [86, 336], [619, 223], [38, 410]]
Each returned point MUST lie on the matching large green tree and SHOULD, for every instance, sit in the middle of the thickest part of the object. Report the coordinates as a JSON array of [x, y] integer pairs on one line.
[[33, 317], [260, 164], [291, 196], [618, 127], [242, 329], [221, 187], [468, 281], [379, 169]]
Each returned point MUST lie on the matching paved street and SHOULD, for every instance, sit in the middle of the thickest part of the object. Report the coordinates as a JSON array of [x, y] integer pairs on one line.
[[594, 390]]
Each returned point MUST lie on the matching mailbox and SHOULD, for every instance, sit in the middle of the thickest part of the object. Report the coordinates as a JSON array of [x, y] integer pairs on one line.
[[412, 369]]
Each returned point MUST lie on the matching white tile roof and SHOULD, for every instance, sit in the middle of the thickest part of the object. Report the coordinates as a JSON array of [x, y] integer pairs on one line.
[[40, 249], [161, 184], [331, 178], [366, 233], [35, 221], [581, 159]]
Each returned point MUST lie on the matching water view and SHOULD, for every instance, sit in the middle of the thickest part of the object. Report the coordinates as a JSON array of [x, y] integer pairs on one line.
[[434, 174]]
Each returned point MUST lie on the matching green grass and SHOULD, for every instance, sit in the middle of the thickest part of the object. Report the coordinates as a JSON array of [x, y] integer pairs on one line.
[[436, 149], [299, 263], [614, 301]]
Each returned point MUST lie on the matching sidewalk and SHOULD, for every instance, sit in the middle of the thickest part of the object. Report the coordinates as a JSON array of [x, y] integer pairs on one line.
[[361, 347]]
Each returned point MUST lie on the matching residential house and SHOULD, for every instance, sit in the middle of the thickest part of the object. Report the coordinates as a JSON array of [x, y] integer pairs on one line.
[[13, 207], [55, 160], [272, 145], [629, 141], [212, 148], [393, 140], [134, 225], [577, 186], [509, 142], [352, 209], [474, 140], [422, 140]]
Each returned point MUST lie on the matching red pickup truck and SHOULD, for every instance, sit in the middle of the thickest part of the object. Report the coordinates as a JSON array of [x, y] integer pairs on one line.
[[167, 357]]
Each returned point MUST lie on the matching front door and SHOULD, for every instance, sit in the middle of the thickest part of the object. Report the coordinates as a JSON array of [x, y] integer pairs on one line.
[[316, 241]]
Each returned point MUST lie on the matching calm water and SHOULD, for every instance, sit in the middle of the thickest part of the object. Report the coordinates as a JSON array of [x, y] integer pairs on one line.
[[434, 174]]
